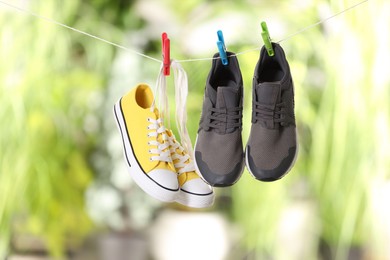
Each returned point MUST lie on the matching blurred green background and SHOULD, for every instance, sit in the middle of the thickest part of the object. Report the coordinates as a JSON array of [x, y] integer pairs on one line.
[[64, 189]]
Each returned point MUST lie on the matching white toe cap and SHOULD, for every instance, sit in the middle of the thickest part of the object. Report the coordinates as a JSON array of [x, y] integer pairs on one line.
[[197, 186], [165, 178]]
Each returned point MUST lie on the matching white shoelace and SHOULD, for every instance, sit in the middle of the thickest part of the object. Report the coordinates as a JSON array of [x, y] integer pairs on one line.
[[162, 151], [181, 93], [182, 163], [162, 95]]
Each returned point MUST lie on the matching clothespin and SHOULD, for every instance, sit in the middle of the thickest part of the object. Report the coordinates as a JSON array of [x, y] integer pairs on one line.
[[166, 54], [267, 39], [222, 48]]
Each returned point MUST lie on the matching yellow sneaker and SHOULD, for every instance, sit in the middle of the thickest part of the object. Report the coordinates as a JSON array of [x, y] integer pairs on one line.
[[194, 192], [146, 148]]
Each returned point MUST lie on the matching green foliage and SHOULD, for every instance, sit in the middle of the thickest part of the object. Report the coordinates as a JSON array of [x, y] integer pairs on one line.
[[344, 161], [51, 79], [53, 82], [337, 108], [338, 103]]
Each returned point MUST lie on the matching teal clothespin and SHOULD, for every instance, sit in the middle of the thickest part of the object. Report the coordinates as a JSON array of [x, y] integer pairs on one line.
[[267, 39], [222, 48]]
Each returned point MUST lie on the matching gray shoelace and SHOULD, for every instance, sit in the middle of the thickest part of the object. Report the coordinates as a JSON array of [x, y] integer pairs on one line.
[[278, 113], [225, 118]]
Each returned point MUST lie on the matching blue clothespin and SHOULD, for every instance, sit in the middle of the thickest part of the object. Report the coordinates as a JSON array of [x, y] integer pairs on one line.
[[267, 39], [222, 48]]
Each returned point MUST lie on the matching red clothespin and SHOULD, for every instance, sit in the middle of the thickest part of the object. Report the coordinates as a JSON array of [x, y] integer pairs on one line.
[[166, 54]]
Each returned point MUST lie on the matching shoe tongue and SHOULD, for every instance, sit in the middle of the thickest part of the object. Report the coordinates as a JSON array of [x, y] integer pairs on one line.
[[227, 97], [268, 93], [212, 94], [156, 112]]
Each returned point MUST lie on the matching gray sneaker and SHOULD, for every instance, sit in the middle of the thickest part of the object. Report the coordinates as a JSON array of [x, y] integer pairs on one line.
[[272, 144], [219, 155]]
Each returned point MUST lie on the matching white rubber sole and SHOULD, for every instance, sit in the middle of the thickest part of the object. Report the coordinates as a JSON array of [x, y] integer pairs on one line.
[[136, 172], [194, 200]]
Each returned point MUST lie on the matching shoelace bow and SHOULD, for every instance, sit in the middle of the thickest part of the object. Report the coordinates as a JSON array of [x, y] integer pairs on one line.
[[161, 151], [225, 118], [181, 161], [278, 113]]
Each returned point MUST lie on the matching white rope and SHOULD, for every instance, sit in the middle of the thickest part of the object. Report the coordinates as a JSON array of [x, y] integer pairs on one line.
[[322, 21], [181, 61], [77, 30]]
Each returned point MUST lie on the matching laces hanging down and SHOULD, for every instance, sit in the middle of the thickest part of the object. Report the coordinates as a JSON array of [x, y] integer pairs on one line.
[[181, 90], [161, 96], [161, 151]]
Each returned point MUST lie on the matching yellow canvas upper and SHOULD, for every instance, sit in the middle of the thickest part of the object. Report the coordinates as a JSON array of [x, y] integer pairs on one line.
[[136, 109], [186, 176]]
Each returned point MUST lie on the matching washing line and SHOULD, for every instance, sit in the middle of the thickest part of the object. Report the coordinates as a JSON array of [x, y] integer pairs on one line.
[[38, 16]]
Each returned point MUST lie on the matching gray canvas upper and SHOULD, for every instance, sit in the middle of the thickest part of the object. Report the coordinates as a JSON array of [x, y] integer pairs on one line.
[[219, 149], [272, 143]]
